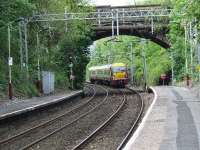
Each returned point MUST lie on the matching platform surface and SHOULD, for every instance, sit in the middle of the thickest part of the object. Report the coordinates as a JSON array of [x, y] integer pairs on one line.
[[16, 107], [172, 124]]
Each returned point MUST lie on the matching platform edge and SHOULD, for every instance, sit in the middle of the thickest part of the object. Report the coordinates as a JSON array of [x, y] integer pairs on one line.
[[57, 100], [141, 126]]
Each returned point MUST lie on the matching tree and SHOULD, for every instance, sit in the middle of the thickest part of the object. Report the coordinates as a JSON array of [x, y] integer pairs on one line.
[[51, 47]]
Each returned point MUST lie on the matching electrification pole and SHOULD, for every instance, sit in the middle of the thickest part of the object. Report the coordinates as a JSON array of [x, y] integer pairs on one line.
[[26, 50], [21, 46], [191, 49], [143, 42], [39, 82], [172, 67], [65, 18], [99, 18], [132, 67], [198, 53], [113, 31], [152, 25], [117, 16], [38, 56], [197, 48], [10, 62], [134, 2], [186, 60], [109, 54]]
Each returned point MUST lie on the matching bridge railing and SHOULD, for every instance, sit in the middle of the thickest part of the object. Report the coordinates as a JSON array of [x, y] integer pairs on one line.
[[110, 15]]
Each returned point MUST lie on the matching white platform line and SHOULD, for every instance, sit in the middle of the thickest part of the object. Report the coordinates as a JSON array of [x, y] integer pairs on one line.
[[129, 144]]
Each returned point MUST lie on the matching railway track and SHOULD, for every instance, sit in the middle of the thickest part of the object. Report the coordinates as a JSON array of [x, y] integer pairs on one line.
[[80, 127], [84, 141], [17, 139], [106, 136]]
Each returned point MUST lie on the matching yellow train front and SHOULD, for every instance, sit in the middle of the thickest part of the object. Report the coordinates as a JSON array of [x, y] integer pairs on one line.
[[112, 74]]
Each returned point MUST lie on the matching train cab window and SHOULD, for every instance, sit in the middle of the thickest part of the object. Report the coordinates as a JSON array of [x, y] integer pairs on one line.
[[118, 69]]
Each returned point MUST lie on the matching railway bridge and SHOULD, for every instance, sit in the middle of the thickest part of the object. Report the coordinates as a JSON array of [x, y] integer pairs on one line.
[[150, 21], [146, 21]]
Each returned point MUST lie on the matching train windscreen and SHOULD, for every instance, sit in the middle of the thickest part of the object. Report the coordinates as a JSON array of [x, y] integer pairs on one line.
[[118, 69]]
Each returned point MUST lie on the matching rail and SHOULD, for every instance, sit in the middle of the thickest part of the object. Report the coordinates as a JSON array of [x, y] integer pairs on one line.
[[122, 144]]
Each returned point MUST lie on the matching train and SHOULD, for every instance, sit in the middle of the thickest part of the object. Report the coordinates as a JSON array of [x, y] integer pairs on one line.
[[115, 74]]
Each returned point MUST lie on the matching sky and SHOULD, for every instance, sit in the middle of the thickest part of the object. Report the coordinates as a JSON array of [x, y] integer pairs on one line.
[[115, 2]]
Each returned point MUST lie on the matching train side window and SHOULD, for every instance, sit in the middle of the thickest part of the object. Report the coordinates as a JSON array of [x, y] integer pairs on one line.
[[107, 72]]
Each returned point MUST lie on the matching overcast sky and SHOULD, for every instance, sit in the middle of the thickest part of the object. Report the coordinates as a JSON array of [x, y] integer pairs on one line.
[[114, 2]]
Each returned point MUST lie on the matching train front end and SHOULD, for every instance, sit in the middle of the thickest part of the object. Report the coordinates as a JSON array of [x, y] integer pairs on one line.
[[119, 75]]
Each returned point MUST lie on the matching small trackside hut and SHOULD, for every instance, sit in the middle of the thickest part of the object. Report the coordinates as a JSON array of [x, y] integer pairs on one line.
[[111, 74]]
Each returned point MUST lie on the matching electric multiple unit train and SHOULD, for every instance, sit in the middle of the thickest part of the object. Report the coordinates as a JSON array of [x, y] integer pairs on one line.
[[112, 74]]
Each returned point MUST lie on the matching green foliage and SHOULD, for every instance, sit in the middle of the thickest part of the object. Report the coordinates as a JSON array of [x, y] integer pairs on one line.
[[55, 43], [61, 80], [10, 12], [76, 46], [158, 61], [184, 11]]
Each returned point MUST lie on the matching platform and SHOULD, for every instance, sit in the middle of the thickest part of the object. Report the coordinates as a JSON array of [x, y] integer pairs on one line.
[[171, 123], [16, 107]]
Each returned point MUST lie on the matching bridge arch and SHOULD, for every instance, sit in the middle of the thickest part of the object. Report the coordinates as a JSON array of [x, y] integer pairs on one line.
[[157, 37]]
